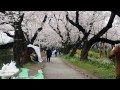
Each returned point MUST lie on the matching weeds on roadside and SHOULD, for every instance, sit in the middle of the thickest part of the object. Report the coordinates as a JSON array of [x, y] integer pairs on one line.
[[101, 67]]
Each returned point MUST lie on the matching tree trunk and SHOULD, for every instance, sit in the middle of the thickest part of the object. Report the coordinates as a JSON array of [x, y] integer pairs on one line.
[[85, 49], [66, 49], [20, 48], [73, 52], [75, 49]]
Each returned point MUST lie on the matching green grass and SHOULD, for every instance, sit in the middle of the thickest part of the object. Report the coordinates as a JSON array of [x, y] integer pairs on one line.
[[100, 69], [5, 56], [28, 64], [91, 53], [3, 51]]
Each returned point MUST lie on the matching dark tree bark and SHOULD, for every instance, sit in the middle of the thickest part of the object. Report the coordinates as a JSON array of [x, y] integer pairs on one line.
[[12, 36], [35, 35], [87, 44], [21, 53], [73, 51], [75, 47], [67, 49], [85, 49], [20, 50], [116, 12], [20, 44]]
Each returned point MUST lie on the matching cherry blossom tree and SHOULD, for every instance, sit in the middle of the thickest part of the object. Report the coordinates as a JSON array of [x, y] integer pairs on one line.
[[89, 41], [61, 26], [21, 40]]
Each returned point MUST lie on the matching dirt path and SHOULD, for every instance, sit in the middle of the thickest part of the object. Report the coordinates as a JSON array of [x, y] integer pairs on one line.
[[34, 68], [57, 69]]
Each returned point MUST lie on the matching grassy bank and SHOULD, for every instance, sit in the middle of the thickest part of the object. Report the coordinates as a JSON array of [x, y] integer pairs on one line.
[[99, 67], [6, 55], [28, 64]]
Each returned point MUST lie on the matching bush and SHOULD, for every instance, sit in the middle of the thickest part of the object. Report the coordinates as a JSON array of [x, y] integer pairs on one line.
[[90, 53], [93, 54], [78, 51]]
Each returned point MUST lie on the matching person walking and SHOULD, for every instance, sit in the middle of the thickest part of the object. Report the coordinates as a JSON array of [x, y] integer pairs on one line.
[[56, 53], [48, 53]]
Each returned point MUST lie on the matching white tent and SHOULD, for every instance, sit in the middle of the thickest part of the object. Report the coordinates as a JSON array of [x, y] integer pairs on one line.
[[37, 50]]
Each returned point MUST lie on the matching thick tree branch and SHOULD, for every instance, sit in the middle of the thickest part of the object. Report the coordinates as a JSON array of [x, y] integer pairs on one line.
[[5, 23], [116, 12], [68, 40], [56, 30], [39, 29], [104, 30], [73, 23], [108, 26], [27, 37], [108, 41], [9, 34], [17, 24], [34, 37], [77, 17], [80, 28], [21, 18], [44, 20], [2, 12]]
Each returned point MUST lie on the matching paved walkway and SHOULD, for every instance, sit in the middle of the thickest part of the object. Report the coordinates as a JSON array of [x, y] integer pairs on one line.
[[57, 69]]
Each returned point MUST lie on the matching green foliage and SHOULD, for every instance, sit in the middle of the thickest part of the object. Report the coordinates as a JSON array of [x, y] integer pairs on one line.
[[78, 51], [6, 55], [90, 53], [95, 49], [109, 49], [101, 62], [28, 64], [93, 54], [102, 67], [4, 52]]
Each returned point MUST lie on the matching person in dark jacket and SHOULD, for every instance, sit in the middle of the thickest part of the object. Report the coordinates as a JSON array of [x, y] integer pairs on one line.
[[48, 53]]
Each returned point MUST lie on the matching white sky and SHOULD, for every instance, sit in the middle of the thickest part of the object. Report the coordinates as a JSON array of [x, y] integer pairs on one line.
[[4, 39]]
